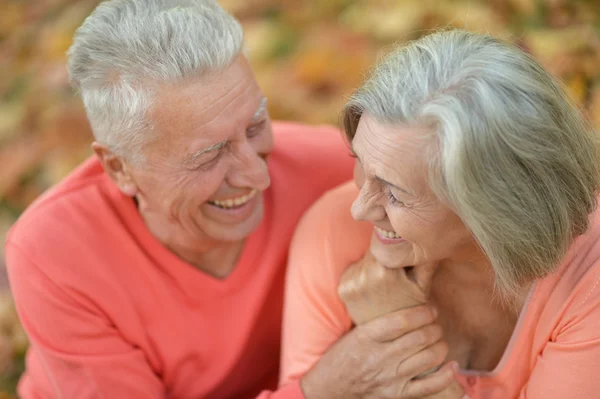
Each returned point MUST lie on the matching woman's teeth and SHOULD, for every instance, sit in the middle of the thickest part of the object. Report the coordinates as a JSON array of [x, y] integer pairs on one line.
[[386, 233], [234, 202]]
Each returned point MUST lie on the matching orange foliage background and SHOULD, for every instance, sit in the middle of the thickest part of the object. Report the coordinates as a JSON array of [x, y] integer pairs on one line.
[[307, 55]]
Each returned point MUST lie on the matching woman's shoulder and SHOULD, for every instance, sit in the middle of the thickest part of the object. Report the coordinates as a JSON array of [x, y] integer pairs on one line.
[[573, 292]]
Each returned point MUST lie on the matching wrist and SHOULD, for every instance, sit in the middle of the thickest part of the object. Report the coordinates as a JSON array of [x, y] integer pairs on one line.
[[314, 386]]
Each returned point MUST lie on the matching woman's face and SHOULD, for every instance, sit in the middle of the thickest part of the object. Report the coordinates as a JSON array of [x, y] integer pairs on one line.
[[412, 226]]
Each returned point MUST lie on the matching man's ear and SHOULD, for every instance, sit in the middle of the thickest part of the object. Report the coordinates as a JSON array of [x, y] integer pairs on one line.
[[117, 169]]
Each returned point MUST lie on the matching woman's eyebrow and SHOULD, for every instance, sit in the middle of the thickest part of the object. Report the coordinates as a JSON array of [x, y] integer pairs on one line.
[[393, 185]]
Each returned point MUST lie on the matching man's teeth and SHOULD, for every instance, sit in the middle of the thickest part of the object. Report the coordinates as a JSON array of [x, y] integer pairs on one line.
[[386, 233], [234, 202]]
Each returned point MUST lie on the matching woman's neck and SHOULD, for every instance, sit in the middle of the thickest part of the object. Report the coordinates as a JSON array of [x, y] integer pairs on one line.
[[476, 278], [477, 321]]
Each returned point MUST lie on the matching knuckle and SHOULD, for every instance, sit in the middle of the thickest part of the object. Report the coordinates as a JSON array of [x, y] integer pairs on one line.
[[363, 335], [370, 337], [344, 291], [349, 273], [379, 275], [421, 337], [401, 322]]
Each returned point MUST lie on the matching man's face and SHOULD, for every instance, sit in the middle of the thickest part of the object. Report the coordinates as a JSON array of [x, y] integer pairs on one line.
[[204, 174]]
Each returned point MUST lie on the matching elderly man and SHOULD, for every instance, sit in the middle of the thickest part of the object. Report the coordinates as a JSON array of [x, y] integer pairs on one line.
[[155, 270]]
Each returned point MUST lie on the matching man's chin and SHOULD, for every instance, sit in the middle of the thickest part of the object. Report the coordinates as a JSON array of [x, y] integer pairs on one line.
[[238, 231]]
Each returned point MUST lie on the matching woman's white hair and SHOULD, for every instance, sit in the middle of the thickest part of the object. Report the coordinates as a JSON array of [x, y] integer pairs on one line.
[[512, 155], [126, 49]]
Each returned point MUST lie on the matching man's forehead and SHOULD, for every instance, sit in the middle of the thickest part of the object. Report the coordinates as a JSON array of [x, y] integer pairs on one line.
[[258, 115]]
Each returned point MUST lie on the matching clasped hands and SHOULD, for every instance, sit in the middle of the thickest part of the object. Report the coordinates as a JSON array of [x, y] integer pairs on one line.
[[370, 290]]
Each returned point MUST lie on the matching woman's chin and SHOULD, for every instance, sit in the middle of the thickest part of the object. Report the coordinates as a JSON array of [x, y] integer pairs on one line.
[[391, 255]]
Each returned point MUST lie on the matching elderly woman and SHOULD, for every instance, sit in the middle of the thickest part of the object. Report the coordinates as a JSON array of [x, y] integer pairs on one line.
[[156, 269], [477, 183]]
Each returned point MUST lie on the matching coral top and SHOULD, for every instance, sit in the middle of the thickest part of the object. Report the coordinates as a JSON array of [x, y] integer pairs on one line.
[[111, 313], [554, 351]]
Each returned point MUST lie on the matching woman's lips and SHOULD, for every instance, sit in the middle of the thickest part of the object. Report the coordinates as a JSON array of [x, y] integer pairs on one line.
[[387, 237]]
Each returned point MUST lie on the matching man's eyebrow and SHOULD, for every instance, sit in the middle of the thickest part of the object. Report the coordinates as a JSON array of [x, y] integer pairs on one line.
[[190, 159], [262, 107]]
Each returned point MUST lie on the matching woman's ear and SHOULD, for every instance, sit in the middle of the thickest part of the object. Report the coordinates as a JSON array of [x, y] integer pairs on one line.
[[117, 169]]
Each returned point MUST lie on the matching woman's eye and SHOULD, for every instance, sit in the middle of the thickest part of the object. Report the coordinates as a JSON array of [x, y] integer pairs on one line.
[[393, 200]]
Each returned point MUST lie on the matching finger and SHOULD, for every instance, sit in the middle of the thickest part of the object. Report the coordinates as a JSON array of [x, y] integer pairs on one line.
[[414, 342], [424, 360], [432, 384], [395, 324]]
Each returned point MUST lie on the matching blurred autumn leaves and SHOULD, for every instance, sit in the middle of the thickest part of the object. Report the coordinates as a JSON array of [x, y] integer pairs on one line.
[[307, 55]]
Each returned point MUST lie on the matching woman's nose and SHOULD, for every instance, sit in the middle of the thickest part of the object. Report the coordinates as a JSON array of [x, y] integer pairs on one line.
[[365, 206]]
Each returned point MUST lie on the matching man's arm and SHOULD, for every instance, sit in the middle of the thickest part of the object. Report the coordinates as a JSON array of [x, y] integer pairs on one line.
[[79, 353]]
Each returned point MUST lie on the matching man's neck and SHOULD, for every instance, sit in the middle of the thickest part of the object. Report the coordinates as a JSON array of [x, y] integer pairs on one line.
[[218, 261], [216, 258]]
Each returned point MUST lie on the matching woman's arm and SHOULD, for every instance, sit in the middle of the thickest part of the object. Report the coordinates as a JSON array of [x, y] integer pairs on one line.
[[317, 342]]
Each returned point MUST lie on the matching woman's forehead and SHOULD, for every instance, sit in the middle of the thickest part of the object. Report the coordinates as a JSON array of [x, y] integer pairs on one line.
[[386, 140]]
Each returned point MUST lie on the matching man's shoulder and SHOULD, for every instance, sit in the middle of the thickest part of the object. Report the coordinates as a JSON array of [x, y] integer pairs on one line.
[[309, 159], [301, 142], [295, 128], [67, 209]]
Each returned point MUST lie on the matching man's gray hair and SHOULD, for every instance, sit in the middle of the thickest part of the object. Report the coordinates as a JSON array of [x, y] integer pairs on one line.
[[512, 156], [126, 49]]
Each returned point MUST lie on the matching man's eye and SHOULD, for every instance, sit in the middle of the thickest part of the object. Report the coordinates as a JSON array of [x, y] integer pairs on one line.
[[209, 163], [255, 129]]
